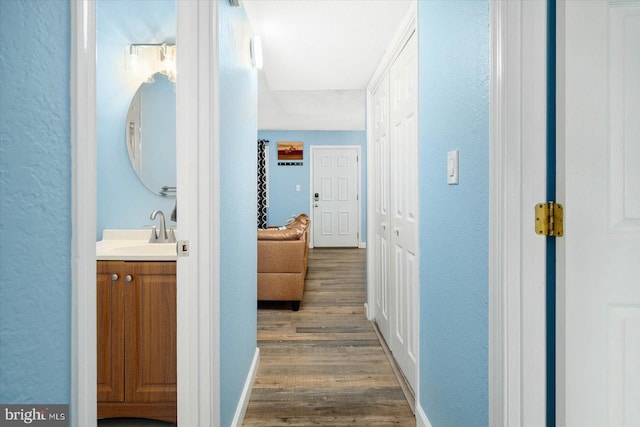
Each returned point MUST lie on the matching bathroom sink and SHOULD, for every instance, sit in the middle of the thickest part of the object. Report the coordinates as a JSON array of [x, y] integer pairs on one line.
[[133, 245]]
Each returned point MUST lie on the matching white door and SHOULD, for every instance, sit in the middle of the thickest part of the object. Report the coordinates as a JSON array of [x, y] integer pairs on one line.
[[403, 154], [334, 196], [598, 272], [380, 191]]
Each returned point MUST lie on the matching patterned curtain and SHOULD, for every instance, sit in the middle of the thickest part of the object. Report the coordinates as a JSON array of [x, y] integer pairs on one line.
[[262, 185]]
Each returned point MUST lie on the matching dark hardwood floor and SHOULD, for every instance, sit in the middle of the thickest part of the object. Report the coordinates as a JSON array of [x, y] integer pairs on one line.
[[324, 365]]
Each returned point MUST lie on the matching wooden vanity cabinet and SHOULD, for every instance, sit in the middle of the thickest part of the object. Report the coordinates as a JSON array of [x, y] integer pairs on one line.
[[136, 339]]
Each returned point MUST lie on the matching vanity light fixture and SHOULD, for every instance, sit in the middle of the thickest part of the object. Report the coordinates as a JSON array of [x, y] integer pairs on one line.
[[168, 61], [138, 64], [256, 52], [133, 58], [148, 59]]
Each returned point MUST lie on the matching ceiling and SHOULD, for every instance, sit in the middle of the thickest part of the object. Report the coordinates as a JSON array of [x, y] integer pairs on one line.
[[319, 56]]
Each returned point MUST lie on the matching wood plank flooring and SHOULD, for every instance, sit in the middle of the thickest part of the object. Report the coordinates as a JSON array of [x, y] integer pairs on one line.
[[324, 365]]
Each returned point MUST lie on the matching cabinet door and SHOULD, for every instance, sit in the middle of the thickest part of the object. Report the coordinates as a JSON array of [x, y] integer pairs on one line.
[[110, 332], [150, 335]]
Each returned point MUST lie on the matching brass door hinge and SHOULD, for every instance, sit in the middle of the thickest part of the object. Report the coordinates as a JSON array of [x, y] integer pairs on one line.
[[549, 219]]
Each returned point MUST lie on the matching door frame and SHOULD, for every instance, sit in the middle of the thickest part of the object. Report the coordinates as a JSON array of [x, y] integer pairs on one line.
[[517, 257], [312, 150], [198, 158], [83, 409], [511, 395]]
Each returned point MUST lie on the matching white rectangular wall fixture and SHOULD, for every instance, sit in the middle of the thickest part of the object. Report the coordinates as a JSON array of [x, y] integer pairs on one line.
[[452, 167]]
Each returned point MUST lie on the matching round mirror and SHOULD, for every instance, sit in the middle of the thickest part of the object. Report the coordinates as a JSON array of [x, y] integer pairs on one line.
[[151, 135]]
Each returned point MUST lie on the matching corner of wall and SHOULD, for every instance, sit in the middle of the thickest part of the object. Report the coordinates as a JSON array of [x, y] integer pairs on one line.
[[243, 403], [421, 418]]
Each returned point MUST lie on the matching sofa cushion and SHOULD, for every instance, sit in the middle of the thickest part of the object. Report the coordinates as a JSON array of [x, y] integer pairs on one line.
[[290, 233]]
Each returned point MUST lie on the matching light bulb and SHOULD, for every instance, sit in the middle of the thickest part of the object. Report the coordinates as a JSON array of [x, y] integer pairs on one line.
[[133, 59]]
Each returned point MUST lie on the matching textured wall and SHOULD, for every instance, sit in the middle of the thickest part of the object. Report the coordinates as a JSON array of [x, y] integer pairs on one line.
[[284, 200], [238, 198], [35, 202], [122, 200], [454, 114]]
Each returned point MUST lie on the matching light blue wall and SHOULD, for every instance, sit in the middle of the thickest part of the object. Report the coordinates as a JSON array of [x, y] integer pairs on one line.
[[454, 114], [122, 200], [35, 202], [238, 198], [284, 200]]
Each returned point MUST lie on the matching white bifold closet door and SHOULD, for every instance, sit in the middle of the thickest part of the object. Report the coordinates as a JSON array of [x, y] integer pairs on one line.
[[395, 249]]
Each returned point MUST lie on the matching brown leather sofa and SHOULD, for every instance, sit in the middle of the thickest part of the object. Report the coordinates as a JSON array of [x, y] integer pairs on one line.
[[283, 254]]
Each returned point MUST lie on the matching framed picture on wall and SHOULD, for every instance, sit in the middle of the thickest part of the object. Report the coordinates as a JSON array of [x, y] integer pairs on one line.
[[290, 150]]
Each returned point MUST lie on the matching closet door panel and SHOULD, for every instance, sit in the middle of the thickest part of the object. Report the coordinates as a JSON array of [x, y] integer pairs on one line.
[[404, 204]]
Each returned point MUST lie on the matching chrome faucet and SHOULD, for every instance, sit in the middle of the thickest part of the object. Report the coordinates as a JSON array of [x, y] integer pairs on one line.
[[161, 235]]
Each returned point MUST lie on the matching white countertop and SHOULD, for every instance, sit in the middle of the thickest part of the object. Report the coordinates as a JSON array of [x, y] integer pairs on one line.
[[133, 245]]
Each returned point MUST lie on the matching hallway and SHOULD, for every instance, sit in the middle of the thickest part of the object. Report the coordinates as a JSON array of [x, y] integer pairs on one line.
[[324, 365]]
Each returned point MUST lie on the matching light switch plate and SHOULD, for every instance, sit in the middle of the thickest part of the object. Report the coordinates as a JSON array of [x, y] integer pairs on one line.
[[452, 167], [297, 187]]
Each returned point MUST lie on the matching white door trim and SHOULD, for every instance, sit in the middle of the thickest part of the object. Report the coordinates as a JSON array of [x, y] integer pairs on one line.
[[312, 150], [198, 181], [407, 27], [83, 408], [517, 390], [369, 304], [198, 203]]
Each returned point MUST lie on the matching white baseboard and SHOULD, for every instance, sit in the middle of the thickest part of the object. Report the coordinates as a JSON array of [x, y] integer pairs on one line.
[[241, 410], [421, 417], [363, 245]]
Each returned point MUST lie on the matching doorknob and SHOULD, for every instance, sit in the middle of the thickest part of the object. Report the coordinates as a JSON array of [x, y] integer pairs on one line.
[[316, 205]]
